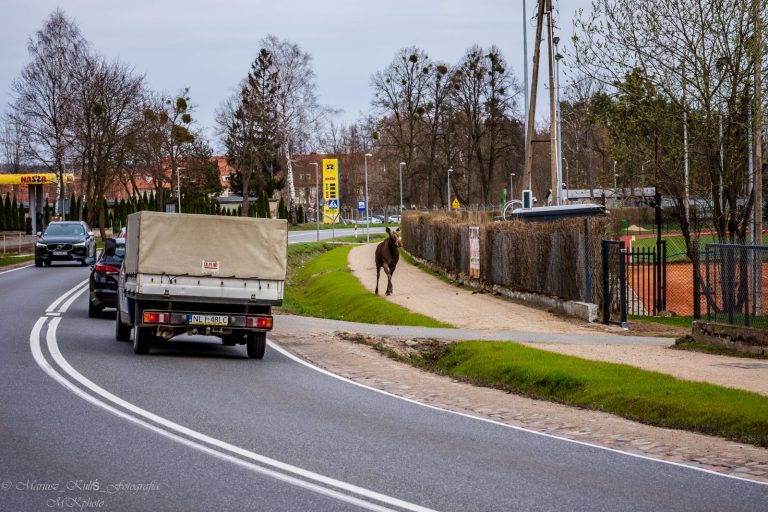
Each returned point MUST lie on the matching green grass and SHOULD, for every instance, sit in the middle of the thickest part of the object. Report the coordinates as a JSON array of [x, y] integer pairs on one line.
[[639, 395], [320, 284], [12, 259], [673, 321]]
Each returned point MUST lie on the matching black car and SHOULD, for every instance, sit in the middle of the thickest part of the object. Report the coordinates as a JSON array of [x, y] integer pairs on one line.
[[103, 280], [65, 241]]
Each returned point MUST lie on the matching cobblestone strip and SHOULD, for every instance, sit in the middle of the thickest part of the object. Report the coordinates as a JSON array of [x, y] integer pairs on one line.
[[364, 365]]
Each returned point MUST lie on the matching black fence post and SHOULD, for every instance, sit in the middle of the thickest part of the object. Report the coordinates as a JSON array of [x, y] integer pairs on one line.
[[696, 283], [606, 283], [623, 286]]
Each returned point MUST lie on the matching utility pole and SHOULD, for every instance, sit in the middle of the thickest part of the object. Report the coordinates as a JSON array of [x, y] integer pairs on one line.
[[757, 127], [552, 107], [527, 183]]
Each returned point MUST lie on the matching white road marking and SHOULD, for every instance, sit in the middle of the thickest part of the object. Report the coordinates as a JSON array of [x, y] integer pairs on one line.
[[56, 303], [14, 269], [218, 446]]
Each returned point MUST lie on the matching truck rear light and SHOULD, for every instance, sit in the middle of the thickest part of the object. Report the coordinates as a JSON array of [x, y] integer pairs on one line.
[[156, 317], [259, 322], [106, 269]]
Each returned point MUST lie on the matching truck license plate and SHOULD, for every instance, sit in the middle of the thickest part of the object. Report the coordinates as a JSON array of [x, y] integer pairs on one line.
[[207, 319], [59, 253]]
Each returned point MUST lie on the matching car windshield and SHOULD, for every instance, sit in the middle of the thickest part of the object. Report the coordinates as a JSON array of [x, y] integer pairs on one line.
[[64, 230]]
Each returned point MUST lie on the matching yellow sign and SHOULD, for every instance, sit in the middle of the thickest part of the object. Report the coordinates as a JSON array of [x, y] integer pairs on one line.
[[34, 178], [455, 204], [330, 190]]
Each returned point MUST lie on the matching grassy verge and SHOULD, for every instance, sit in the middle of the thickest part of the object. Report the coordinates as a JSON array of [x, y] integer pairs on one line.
[[12, 259], [320, 284], [673, 321], [639, 395]]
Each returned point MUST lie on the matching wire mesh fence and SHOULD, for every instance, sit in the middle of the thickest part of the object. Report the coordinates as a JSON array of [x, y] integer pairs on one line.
[[731, 284]]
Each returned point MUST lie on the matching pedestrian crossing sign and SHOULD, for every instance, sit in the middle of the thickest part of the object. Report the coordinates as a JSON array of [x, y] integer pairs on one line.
[[333, 204]]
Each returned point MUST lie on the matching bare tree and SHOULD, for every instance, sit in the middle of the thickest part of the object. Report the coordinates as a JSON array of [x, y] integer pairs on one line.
[[12, 140], [697, 55], [42, 94], [106, 98]]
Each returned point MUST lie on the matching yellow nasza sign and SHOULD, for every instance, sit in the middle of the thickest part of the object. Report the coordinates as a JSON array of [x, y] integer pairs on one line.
[[36, 178]]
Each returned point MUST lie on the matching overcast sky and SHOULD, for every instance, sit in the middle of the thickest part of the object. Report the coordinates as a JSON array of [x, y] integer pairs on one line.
[[209, 45]]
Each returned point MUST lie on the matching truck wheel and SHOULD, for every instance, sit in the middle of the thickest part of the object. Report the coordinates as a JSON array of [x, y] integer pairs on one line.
[[122, 331], [142, 336], [142, 339], [256, 344], [94, 310]]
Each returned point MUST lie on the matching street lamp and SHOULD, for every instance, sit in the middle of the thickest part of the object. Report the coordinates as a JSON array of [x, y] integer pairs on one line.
[[178, 186], [367, 218], [615, 186], [511, 186], [401, 187], [449, 188], [317, 202]]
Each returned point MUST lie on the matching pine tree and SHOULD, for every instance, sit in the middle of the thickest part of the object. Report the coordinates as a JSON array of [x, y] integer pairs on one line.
[[22, 225], [74, 207], [2, 214], [47, 213], [8, 216]]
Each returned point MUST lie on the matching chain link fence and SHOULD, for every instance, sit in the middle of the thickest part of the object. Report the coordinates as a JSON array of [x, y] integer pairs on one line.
[[731, 284]]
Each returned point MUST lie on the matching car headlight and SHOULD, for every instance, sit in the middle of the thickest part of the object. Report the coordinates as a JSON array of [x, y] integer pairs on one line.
[[79, 244], [40, 244]]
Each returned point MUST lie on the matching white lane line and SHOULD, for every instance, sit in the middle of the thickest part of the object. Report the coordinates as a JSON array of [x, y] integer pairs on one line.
[[83, 287], [14, 269], [275, 346], [56, 303], [261, 459]]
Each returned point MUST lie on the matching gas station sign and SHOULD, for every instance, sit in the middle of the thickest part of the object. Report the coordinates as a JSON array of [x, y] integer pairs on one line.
[[330, 190], [34, 178]]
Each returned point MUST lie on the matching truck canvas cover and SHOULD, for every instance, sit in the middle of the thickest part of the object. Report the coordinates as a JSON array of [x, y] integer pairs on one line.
[[206, 246]]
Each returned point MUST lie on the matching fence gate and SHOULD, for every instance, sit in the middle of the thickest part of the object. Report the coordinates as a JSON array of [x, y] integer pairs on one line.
[[634, 281]]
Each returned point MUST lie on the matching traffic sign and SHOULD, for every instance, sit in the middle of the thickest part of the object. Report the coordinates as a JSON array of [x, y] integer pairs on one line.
[[333, 204], [455, 205], [361, 206]]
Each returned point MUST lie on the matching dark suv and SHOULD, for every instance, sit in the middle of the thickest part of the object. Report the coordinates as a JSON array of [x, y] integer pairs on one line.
[[102, 283], [65, 241]]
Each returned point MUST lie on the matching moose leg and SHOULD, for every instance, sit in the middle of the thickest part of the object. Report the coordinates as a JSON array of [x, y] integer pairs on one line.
[[389, 280], [378, 271]]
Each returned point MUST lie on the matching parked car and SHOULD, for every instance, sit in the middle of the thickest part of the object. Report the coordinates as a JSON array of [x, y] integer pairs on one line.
[[369, 220], [393, 219], [102, 283], [65, 241]]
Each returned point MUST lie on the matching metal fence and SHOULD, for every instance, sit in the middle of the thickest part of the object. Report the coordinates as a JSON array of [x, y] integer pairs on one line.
[[731, 284]]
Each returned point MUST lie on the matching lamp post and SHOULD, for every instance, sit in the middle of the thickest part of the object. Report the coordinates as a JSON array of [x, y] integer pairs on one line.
[[615, 186], [317, 202], [449, 189], [402, 164], [511, 186], [367, 218], [565, 182], [178, 186]]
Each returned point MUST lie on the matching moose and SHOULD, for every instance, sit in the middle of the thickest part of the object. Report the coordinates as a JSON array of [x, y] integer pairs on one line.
[[387, 257]]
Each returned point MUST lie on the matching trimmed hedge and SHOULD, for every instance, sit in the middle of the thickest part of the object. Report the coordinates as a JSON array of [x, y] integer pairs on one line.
[[548, 258]]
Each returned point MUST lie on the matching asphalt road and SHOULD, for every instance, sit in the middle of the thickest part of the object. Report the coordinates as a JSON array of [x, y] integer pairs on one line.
[[87, 424]]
